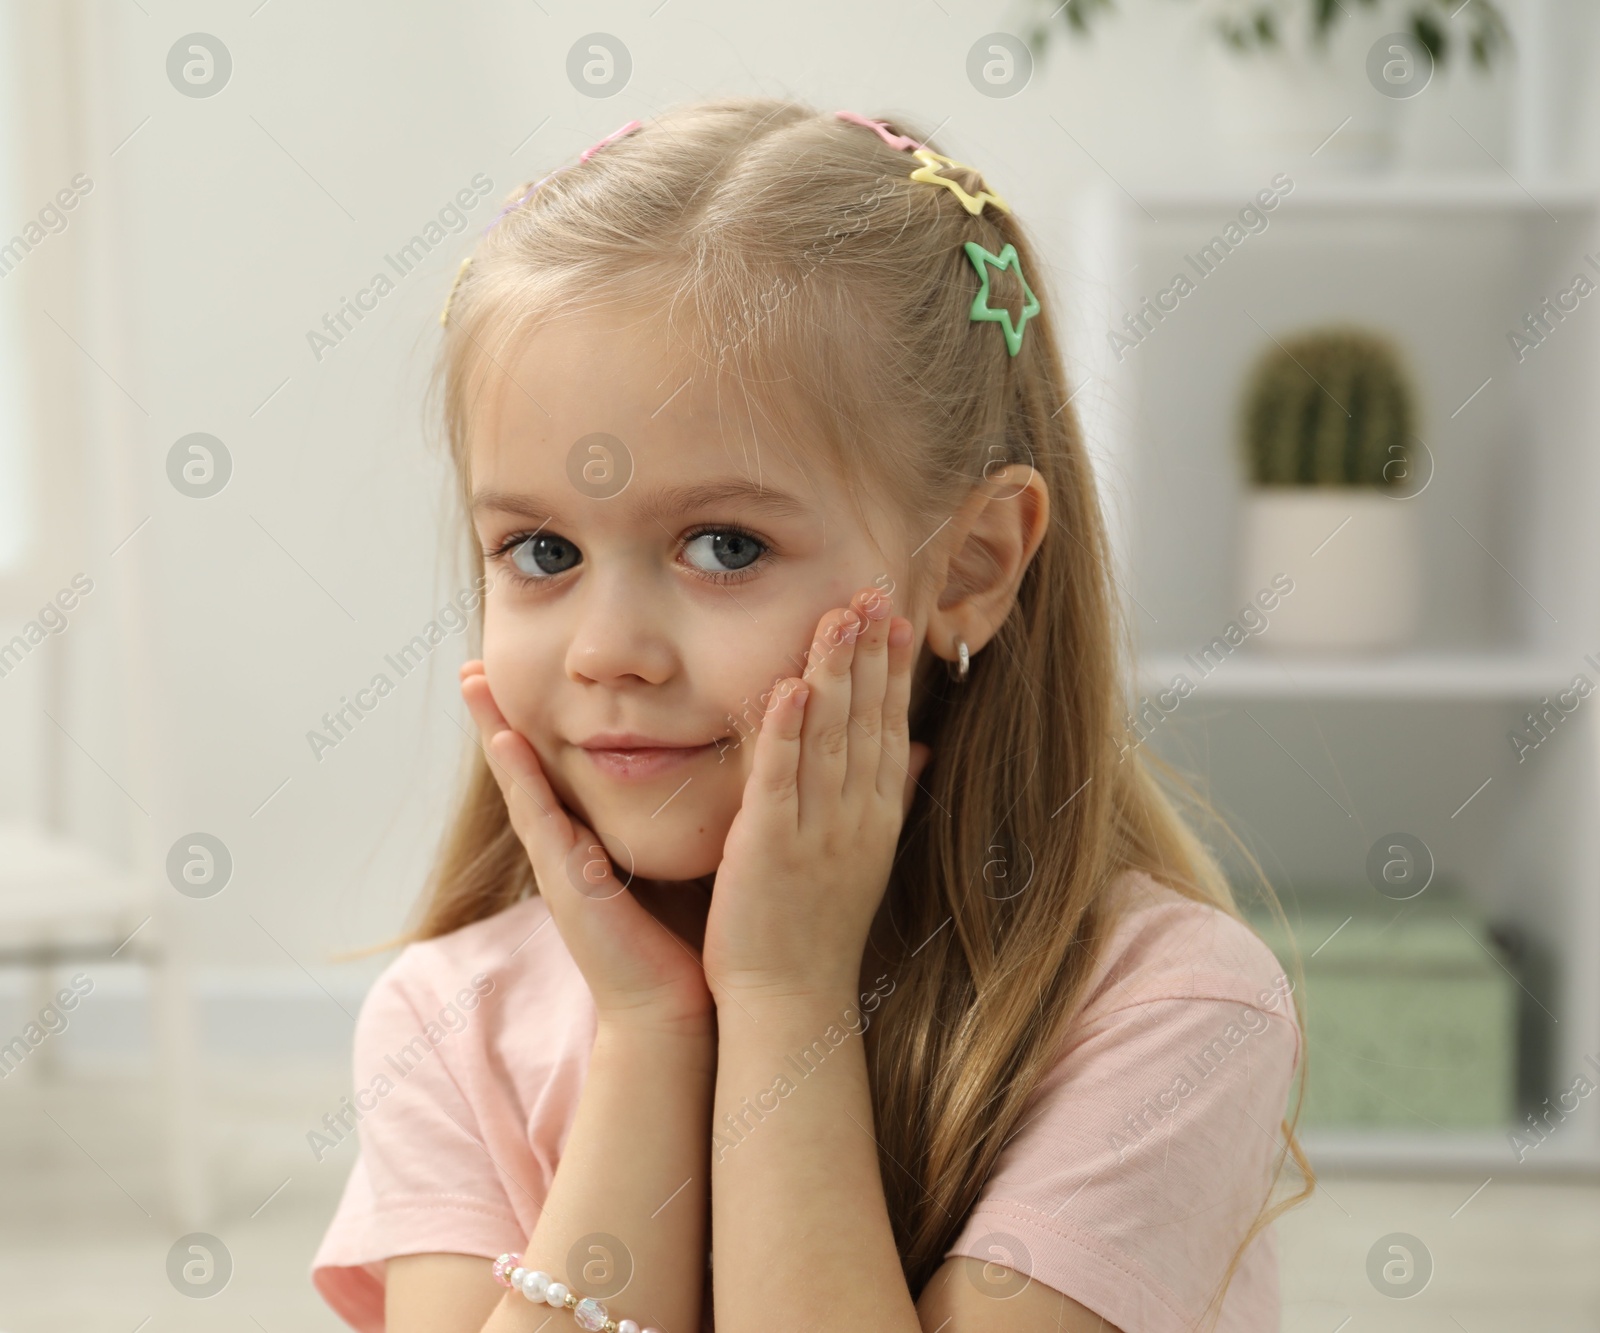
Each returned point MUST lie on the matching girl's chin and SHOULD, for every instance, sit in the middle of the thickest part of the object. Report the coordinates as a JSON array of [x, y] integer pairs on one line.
[[657, 834], [655, 854]]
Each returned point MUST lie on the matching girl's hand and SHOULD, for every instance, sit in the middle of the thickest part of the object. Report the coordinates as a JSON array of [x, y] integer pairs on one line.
[[808, 856], [639, 971]]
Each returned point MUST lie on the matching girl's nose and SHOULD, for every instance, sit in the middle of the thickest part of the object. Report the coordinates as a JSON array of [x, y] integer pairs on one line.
[[619, 632]]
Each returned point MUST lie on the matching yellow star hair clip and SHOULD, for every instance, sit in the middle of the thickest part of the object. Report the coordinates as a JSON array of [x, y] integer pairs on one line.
[[928, 173]]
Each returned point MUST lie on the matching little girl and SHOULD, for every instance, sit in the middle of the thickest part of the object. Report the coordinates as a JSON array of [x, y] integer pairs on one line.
[[804, 901]]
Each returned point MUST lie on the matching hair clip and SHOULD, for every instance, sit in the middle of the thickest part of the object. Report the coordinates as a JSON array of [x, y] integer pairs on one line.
[[981, 309], [518, 202], [623, 133], [461, 272], [899, 142], [928, 173], [584, 156]]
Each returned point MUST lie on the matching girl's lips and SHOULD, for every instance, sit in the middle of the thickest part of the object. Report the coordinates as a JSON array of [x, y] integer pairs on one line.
[[640, 763]]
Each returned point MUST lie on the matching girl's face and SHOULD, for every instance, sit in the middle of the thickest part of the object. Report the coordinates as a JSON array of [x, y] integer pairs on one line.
[[655, 566]]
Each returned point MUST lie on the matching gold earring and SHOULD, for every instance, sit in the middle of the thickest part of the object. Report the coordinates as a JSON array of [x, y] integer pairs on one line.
[[962, 665]]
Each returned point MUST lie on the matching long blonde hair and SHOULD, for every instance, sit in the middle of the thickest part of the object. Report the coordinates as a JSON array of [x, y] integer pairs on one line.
[[793, 256]]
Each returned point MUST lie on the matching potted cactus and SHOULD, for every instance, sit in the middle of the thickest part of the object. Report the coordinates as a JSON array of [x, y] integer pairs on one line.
[[1327, 434]]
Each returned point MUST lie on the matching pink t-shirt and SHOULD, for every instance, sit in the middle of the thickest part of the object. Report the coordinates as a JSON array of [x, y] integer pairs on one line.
[[1147, 1152]]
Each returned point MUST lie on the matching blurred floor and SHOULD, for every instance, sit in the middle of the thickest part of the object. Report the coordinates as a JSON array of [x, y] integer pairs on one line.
[[1518, 1258], [79, 1255], [78, 1252]]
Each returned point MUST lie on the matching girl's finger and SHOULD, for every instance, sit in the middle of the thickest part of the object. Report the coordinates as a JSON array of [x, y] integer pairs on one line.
[[774, 768], [896, 731], [566, 855], [825, 735], [525, 785], [869, 672], [479, 698], [486, 716], [587, 866], [536, 814], [560, 848]]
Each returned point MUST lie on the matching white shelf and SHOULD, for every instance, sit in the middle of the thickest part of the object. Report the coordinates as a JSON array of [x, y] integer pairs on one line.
[[1445, 264], [1489, 193], [1447, 1152], [1247, 675]]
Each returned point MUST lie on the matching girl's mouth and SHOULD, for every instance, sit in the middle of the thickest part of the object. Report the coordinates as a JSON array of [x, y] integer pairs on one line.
[[638, 759]]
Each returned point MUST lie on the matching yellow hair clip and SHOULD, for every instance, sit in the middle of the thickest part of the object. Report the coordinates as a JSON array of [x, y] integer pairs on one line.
[[444, 315], [928, 173]]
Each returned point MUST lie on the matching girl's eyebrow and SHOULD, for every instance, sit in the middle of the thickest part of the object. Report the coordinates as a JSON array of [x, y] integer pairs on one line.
[[662, 503]]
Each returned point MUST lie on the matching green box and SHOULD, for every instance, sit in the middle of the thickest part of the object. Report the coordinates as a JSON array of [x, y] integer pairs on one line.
[[1410, 1013]]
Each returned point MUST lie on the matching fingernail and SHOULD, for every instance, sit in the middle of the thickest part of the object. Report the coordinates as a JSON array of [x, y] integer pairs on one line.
[[900, 633], [850, 631], [800, 694], [876, 607]]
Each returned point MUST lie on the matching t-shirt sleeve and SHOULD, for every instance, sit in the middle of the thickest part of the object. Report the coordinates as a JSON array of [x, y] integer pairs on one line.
[[1144, 1159], [424, 1180]]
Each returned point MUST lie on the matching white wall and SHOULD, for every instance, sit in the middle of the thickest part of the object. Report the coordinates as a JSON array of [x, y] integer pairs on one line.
[[225, 227]]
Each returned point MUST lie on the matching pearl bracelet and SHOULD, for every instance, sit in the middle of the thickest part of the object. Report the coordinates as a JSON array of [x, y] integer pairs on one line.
[[537, 1286]]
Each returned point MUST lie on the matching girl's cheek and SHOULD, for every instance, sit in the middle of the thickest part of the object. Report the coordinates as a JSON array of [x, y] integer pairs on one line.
[[517, 670]]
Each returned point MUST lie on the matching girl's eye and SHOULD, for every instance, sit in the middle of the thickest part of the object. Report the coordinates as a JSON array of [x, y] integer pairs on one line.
[[543, 557], [723, 550]]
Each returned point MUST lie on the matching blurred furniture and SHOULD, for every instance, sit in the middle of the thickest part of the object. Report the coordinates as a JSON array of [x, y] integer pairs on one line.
[[1474, 740], [1411, 1012], [62, 904]]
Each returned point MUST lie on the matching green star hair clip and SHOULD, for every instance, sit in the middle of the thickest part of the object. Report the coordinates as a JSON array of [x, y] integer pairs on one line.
[[981, 309]]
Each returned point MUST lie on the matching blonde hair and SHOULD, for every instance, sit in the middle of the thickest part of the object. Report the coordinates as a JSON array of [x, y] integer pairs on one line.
[[791, 255]]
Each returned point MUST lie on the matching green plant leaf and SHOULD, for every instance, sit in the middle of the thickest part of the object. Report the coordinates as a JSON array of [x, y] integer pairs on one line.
[[1426, 29], [1258, 28]]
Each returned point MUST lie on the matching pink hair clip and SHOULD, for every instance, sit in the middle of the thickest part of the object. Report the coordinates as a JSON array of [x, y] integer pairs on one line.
[[623, 133], [461, 272], [584, 156], [899, 142]]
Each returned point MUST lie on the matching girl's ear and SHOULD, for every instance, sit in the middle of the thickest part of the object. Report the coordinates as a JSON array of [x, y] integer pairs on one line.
[[993, 536]]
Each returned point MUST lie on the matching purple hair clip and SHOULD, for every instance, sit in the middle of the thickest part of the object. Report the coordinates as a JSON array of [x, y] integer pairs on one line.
[[518, 203], [900, 142]]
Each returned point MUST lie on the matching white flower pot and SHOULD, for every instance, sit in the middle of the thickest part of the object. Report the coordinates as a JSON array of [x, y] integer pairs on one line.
[[1353, 553]]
